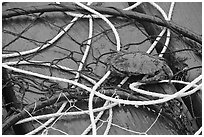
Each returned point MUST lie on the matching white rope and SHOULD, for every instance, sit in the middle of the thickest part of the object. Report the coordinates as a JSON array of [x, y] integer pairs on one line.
[[164, 97], [49, 43], [96, 119], [168, 31], [92, 92], [86, 52], [110, 118], [41, 63], [162, 32], [160, 95], [121, 101], [46, 116], [199, 131], [106, 20]]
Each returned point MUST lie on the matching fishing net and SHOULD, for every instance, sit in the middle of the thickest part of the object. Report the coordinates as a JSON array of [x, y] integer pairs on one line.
[[57, 76]]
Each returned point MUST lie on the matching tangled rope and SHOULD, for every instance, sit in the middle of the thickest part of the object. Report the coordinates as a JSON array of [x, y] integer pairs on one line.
[[83, 72]]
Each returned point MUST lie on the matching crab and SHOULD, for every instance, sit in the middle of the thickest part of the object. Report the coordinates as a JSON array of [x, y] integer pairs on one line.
[[137, 63]]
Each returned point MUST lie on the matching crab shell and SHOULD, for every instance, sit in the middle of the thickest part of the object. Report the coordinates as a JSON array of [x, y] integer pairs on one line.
[[137, 63]]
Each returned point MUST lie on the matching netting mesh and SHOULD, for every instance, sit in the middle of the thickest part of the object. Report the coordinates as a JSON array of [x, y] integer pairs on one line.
[[58, 66]]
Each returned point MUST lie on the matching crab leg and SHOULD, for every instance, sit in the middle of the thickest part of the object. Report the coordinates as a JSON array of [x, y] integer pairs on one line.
[[156, 78]]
